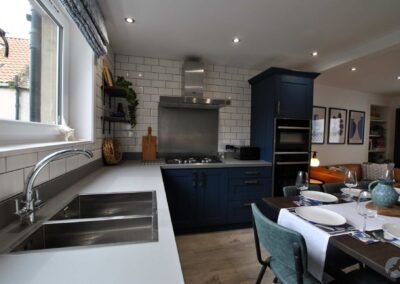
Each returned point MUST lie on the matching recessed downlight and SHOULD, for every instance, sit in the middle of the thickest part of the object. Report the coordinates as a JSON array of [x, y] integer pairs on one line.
[[398, 77], [314, 53], [353, 69], [129, 20], [236, 40]]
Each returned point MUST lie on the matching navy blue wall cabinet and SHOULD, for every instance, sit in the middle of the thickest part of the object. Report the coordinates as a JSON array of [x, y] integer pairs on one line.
[[278, 93]]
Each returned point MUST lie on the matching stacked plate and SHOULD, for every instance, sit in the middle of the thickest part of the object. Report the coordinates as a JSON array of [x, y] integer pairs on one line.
[[319, 196]]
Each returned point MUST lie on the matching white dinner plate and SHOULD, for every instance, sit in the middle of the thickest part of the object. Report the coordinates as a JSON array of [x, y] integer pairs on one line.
[[319, 196], [320, 216], [354, 192], [391, 230]]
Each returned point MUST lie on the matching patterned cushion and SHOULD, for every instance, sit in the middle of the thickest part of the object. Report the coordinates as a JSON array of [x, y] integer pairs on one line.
[[372, 171]]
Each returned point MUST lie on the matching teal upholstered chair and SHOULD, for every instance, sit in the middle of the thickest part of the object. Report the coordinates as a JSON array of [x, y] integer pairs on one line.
[[288, 251], [291, 190], [333, 187]]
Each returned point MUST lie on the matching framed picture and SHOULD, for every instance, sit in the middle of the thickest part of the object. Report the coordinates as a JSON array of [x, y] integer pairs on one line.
[[318, 125], [356, 127], [337, 126]]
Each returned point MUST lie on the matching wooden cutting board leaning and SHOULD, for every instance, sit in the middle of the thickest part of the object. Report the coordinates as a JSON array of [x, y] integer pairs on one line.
[[149, 146]]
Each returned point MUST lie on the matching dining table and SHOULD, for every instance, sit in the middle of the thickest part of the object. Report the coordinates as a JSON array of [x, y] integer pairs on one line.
[[379, 256]]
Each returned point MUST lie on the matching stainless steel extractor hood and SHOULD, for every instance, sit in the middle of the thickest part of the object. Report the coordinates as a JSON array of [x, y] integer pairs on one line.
[[192, 89]]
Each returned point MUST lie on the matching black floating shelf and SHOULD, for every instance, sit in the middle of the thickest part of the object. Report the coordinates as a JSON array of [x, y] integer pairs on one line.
[[112, 120], [114, 92]]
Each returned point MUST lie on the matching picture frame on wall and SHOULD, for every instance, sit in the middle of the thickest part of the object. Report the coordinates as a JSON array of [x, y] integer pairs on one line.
[[337, 126], [356, 127], [318, 125]]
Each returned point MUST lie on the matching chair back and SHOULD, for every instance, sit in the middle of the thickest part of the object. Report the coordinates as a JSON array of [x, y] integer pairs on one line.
[[332, 187], [291, 190], [279, 241]]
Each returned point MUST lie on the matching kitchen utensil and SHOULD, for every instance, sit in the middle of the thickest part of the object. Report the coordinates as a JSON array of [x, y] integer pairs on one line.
[[149, 146], [321, 216]]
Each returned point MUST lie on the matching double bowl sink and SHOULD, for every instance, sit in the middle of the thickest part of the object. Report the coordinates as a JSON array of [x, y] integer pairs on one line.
[[95, 219]]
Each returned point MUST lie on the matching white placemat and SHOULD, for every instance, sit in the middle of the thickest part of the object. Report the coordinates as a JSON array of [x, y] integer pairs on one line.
[[317, 240]]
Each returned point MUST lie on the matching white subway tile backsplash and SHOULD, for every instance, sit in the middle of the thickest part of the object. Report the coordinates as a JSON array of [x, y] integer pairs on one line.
[[11, 183], [43, 176], [58, 168], [163, 77], [20, 161]]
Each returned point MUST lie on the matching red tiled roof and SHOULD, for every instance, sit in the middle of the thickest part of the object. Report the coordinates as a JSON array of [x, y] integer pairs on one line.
[[17, 61]]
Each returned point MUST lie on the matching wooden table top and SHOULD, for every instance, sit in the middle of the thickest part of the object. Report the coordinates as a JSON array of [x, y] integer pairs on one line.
[[375, 255]]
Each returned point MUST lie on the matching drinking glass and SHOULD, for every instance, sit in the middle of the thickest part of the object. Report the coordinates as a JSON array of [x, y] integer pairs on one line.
[[302, 181], [389, 176], [350, 181], [370, 212]]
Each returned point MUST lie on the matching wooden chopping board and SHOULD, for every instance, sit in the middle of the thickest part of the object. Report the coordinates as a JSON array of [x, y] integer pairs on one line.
[[149, 146], [393, 211]]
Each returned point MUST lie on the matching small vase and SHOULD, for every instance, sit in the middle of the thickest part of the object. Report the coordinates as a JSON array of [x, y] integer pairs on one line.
[[383, 194]]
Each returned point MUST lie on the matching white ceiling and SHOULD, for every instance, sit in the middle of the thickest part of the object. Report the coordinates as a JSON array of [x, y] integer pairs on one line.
[[273, 32]]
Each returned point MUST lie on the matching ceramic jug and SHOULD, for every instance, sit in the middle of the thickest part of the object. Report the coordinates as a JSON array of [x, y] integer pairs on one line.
[[383, 194]]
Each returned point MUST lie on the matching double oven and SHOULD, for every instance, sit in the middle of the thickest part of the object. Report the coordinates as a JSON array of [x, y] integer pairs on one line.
[[291, 151]]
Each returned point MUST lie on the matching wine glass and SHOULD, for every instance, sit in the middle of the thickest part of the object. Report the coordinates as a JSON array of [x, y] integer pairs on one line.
[[302, 181], [350, 181], [369, 211]]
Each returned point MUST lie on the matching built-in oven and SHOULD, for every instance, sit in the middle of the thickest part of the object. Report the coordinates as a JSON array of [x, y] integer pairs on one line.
[[292, 135], [286, 167]]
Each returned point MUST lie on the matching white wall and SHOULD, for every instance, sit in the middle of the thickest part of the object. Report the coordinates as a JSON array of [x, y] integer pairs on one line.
[[328, 96], [163, 77]]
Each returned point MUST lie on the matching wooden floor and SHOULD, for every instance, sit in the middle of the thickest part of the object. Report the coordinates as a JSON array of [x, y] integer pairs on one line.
[[220, 257]]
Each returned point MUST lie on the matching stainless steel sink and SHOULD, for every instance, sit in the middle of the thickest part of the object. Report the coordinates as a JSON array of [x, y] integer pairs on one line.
[[98, 219], [108, 205]]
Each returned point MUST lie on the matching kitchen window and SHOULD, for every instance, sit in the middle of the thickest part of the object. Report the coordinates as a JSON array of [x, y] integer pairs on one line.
[[31, 75], [35, 80]]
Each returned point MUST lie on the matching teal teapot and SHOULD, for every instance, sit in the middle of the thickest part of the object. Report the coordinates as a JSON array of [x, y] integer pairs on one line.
[[383, 193]]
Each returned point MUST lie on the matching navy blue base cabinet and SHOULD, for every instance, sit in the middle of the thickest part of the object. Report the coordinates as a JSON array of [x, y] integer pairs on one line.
[[214, 198]]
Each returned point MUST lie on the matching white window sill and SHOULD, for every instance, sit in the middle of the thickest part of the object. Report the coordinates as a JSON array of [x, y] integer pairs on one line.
[[38, 147]]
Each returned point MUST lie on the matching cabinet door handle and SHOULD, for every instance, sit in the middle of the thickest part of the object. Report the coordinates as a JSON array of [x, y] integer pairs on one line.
[[194, 180], [279, 107], [202, 182], [251, 182], [246, 205], [252, 173]]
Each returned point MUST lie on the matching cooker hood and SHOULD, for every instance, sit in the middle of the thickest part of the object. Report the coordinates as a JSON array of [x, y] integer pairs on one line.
[[192, 89]]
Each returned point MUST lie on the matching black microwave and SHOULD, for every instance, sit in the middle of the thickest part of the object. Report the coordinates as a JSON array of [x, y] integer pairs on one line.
[[292, 135]]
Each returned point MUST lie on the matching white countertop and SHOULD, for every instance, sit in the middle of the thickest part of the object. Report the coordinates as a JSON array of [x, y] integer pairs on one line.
[[155, 262]]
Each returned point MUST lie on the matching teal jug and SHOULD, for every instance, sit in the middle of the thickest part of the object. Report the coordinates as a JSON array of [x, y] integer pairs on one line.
[[383, 194]]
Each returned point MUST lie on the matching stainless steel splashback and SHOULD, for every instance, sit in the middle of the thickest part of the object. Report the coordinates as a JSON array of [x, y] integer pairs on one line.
[[187, 130]]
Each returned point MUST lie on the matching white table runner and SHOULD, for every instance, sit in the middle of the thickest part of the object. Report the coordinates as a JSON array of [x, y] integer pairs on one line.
[[317, 239]]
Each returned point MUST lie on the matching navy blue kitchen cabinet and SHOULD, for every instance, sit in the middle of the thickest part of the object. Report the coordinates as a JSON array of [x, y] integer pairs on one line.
[[247, 185], [213, 198], [196, 198], [278, 93]]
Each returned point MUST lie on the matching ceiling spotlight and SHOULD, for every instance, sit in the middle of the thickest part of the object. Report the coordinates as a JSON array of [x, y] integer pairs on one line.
[[314, 53], [353, 69], [140, 75], [236, 40], [129, 20], [398, 77]]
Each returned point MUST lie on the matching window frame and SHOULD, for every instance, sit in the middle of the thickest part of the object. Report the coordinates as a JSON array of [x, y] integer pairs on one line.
[[16, 132]]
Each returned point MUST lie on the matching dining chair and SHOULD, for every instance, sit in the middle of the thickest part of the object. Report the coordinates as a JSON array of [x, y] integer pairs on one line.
[[291, 190], [288, 251], [333, 187]]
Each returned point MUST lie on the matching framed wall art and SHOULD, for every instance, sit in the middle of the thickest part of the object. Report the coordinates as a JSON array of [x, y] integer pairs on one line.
[[318, 125], [337, 126], [356, 127]]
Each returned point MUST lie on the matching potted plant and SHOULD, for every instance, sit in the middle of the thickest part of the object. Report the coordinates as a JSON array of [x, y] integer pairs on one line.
[[131, 98]]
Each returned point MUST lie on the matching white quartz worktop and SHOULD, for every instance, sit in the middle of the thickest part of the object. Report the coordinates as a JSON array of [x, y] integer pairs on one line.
[[155, 262]]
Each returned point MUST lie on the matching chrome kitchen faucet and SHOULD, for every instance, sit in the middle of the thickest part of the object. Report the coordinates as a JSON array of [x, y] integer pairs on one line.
[[30, 201]]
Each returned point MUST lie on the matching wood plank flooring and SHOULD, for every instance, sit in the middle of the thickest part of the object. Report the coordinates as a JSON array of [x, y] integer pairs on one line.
[[220, 257]]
